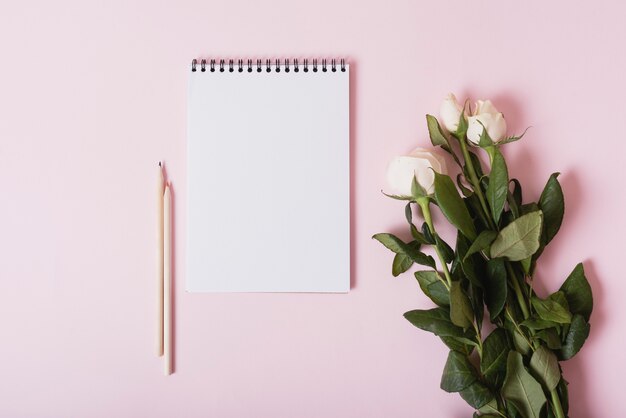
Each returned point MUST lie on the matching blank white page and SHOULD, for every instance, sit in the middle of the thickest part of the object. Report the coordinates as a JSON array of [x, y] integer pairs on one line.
[[268, 181]]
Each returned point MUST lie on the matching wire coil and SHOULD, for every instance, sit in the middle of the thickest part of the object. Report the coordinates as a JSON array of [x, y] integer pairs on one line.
[[286, 65]]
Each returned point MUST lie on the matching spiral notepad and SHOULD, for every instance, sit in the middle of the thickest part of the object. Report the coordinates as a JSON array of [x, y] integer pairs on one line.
[[268, 206]]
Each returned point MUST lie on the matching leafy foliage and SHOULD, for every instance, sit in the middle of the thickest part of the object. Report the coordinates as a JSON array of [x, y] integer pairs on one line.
[[398, 246], [461, 312], [578, 292], [493, 361], [521, 389], [496, 287], [482, 242], [476, 394], [546, 367], [498, 185], [453, 206], [432, 285], [401, 263], [491, 267], [552, 204], [519, 239], [553, 308], [435, 320], [436, 135], [458, 373], [575, 338]]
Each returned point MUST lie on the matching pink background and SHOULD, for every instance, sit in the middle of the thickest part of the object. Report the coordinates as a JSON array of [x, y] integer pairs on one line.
[[92, 94]]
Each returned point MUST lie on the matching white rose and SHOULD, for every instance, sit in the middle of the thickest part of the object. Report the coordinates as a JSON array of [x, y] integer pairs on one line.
[[450, 113], [419, 163], [488, 115]]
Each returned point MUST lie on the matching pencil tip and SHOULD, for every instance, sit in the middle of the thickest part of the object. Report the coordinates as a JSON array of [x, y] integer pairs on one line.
[[160, 164]]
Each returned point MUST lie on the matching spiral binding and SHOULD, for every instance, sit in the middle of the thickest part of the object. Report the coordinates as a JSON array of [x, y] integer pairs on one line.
[[287, 65]]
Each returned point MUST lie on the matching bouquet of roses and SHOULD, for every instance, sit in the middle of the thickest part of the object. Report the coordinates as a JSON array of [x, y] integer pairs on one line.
[[513, 371]]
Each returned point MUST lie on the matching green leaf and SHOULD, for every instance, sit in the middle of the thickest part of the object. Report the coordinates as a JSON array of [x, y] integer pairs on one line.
[[436, 135], [553, 308], [473, 204], [513, 138], [526, 264], [521, 389], [552, 205], [511, 411], [408, 213], [536, 324], [550, 337], [519, 341], [432, 286], [489, 408], [482, 242], [392, 242], [515, 198], [427, 234], [423, 259], [436, 320], [485, 140], [509, 139], [477, 298], [498, 184], [519, 239], [461, 312], [444, 249], [458, 373], [467, 264], [478, 165], [528, 208], [401, 263], [517, 192], [493, 362], [398, 246], [453, 206], [546, 367], [495, 287], [398, 197], [578, 292], [559, 297], [417, 236], [575, 338], [458, 344], [417, 191], [476, 395]]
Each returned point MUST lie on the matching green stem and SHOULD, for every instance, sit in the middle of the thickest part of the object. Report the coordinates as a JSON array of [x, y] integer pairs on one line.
[[424, 203], [556, 402], [518, 291], [481, 197], [475, 182]]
